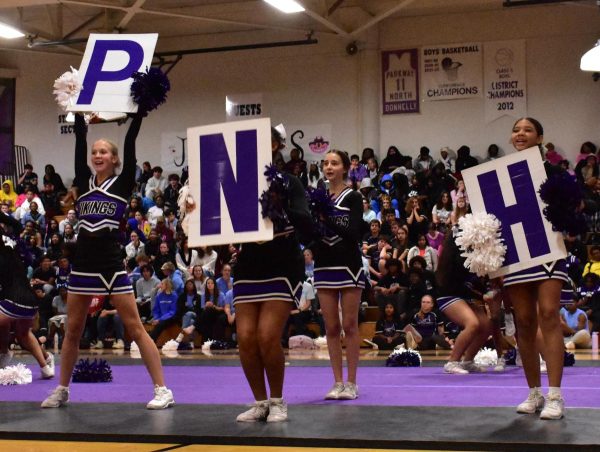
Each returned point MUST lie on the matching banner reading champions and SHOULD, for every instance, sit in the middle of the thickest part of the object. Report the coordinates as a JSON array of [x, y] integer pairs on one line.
[[505, 79], [400, 71], [451, 71]]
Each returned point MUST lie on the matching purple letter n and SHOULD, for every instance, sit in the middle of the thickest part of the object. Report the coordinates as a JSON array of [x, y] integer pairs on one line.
[[525, 211], [241, 195]]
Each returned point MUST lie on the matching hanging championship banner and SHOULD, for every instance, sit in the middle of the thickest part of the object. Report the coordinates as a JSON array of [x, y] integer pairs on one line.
[[400, 81], [226, 170], [451, 71], [243, 106], [508, 188], [108, 63], [505, 79]]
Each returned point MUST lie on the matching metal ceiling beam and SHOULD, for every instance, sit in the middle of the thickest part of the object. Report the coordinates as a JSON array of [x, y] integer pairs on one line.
[[166, 13], [329, 24], [83, 25], [131, 12], [382, 16], [335, 6]]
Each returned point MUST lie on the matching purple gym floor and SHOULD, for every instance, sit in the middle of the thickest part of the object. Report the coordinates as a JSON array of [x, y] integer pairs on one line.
[[422, 386]]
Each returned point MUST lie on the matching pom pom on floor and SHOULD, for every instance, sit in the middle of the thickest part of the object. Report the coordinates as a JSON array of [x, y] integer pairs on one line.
[[569, 359], [97, 371], [401, 357], [15, 375], [486, 357]]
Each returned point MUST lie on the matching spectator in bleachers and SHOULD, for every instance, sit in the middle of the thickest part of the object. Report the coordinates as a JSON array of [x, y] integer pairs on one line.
[[30, 196], [144, 176], [370, 239], [186, 258], [63, 270], [164, 310], [53, 178], [424, 162], [50, 200], [199, 278], [388, 329], [392, 160], [58, 321], [400, 245], [392, 288], [142, 224], [552, 154], [368, 213], [145, 291], [156, 184], [54, 247], [416, 220], [71, 219], [107, 318], [429, 326], [460, 210], [593, 265], [225, 281], [208, 315], [8, 195], [314, 175], [590, 169], [27, 178], [575, 327], [5, 209], [493, 152], [357, 171], [164, 255], [446, 159], [174, 275], [187, 307], [459, 191], [33, 250], [423, 249], [300, 316], [135, 246], [35, 216], [309, 263], [134, 205], [69, 235], [152, 245], [45, 275], [208, 259], [440, 214], [171, 192], [51, 229], [435, 238], [464, 159], [157, 211]]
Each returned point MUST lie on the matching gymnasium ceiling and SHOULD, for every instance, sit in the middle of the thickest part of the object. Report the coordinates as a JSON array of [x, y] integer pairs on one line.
[[195, 23]]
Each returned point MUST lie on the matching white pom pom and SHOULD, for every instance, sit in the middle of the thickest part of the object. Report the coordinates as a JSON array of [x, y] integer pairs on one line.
[[66, 88], [134, 347], [479, 239], [486, 357], [321, 342], [170, 346], [15, 375]]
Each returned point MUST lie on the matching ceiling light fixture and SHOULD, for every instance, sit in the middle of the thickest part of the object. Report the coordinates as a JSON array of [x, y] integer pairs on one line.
[[590, 61], [8, 32], [287, 6]]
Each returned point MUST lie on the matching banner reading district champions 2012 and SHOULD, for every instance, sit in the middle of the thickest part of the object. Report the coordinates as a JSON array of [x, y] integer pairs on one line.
[[452, 71]]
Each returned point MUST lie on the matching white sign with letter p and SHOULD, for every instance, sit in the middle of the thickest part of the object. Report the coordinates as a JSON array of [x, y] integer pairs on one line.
[[108, 63]]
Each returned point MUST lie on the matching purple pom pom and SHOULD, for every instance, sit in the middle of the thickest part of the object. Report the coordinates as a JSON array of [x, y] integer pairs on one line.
[[97, 371], [273, 200], [407, 358], [149, 89], [569, 359], [563, 197]]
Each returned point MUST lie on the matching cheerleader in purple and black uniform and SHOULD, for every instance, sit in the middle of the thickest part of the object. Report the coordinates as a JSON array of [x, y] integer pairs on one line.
[[339, 274], [268, 283], [18, 304], [97, 263], [457, 288], [535, 295]]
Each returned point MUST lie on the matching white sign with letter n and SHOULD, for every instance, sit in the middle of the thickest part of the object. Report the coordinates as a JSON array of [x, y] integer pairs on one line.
[[108, 63], [508, 188], [226, 169]]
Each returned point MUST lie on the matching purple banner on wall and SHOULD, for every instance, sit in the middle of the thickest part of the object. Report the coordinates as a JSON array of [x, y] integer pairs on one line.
[[400, 81], [7, 125]]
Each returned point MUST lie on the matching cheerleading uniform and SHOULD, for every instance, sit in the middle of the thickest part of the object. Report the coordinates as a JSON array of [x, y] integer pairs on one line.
[[338, 262], [17, 300], [551, 270], [98, 260], [274, 270]]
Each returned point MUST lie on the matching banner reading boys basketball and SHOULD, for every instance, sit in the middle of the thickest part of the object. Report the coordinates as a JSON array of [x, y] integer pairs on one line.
[[400, 81], [226, 171], [505, 80], [108, 63], [507, 188], [451, 71]]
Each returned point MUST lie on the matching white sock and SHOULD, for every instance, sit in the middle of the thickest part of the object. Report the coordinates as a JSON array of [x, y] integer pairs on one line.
[[554, 391], [62, 388], [276, 399], [534, 390]]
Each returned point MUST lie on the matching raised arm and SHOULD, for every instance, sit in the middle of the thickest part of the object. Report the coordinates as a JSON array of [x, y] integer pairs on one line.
[[82, 170], [129, 159]]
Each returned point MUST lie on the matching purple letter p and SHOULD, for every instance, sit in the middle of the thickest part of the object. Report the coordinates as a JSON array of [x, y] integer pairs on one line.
[[95, 74]]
